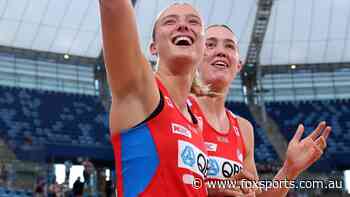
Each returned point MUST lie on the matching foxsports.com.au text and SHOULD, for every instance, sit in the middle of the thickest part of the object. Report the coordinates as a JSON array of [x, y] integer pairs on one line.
[[270, 184]]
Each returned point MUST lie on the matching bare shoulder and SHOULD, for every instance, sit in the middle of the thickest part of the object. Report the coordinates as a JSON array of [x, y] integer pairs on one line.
[[245, 124], [247, 131]]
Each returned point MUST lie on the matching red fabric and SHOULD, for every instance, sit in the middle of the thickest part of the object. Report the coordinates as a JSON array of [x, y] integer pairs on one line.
[[171, 133], [228, 147]]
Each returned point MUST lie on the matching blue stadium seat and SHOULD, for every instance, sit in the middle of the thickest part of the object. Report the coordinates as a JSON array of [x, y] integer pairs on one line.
[[51, 118], [337, 114], [264, 151], [289, 114]]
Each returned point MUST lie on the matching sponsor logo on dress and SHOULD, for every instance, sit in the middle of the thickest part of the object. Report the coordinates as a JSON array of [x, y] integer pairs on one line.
[[211, 146], [213, 167], [219, 167], [181, 130], [192, 158]]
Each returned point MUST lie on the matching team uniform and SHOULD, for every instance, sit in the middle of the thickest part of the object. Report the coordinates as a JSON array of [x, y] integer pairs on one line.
[[226, 152], [162, 156]]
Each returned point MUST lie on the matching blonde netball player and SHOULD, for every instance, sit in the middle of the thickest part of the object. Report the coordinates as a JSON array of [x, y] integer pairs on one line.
[[158, 149]]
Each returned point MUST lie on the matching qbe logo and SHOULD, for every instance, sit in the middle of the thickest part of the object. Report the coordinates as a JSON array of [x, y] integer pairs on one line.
[[219, 167], [192, 158]]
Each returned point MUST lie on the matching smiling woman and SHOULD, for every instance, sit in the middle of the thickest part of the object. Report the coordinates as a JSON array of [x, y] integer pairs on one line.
[[159, 150], [230, 138]]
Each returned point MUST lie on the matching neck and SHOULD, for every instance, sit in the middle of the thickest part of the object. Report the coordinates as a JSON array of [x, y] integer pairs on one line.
[[214, 105], [214, 110], [178, 86]]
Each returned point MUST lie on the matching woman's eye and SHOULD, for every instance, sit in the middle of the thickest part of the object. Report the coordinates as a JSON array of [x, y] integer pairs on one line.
[[230, 46], [169, 21], [209, 44], [194, 21]]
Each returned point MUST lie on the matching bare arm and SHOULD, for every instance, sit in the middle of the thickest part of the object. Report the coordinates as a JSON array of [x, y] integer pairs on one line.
[[249, 162], [130, 77], [301, 154], [247, 131]]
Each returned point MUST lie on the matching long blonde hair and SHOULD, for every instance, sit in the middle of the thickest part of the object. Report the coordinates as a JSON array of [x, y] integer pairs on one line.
[[200, 89]]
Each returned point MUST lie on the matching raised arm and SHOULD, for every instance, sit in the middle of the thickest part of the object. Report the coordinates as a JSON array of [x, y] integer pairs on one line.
[[130, 77]]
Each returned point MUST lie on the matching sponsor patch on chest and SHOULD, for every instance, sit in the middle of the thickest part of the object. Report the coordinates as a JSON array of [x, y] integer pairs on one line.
[[192, 158], [181, 130], [211, 146], [219, 167]]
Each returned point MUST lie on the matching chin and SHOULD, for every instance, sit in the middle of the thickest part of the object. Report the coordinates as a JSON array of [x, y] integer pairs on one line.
[[219, 79], [184, 58]]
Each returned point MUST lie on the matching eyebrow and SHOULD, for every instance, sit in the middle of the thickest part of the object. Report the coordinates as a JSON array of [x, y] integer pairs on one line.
[[193, 15], [170, 16], [232, 41], [225, 40], [176, 16]]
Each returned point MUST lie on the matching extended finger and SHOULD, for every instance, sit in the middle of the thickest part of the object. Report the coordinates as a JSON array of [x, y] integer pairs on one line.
[[318, 130], [298, 133], [326, 132], [321, 143]]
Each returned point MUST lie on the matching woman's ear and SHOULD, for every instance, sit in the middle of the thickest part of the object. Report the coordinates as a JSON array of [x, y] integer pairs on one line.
[[153, 49]]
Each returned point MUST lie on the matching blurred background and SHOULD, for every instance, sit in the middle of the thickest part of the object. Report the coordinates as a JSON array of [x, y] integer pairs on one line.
[[54, 98]]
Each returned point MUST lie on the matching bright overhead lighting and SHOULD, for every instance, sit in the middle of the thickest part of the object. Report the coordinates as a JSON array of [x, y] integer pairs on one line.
[[66, 56], [293, 66]]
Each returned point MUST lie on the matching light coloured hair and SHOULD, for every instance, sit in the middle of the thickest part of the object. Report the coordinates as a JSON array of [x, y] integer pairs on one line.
[[200, 89]]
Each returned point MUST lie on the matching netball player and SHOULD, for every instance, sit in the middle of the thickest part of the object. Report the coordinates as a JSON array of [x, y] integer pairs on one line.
[[230, 138], [158, 149]]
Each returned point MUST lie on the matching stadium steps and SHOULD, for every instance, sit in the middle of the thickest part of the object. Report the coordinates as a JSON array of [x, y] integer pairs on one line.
[[25, 171], [6, 154]]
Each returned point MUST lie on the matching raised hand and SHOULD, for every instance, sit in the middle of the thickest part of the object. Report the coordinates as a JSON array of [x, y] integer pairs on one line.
[[302, 153]]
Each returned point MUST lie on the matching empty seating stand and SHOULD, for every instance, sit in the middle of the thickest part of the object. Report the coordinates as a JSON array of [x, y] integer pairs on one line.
[[36, 121]]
